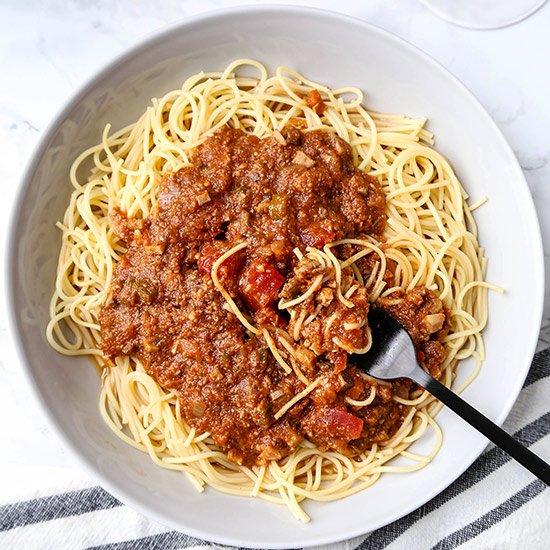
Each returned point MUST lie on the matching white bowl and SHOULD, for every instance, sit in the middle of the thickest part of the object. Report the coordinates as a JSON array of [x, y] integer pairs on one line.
[[338, 51]]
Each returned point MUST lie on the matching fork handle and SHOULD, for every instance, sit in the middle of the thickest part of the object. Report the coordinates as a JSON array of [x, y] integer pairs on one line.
[[489, 429]]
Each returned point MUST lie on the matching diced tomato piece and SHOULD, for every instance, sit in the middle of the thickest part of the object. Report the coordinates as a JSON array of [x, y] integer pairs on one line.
[[342, 424], [391, 266], [315, 102], [339, 360], [259, 284], [206, 260], [356, 390], [229, 270], [318, 234], [268, 316], [296, 123]]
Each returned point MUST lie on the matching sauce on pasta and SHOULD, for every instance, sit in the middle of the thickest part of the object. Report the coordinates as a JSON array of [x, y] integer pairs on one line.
[[421, 259], [297, 193]]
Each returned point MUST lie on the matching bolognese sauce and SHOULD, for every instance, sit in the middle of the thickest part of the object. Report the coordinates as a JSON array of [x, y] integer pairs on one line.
[[291, 191]]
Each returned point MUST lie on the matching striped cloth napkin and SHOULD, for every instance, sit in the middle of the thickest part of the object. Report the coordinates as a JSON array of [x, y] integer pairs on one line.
[[495, 504]]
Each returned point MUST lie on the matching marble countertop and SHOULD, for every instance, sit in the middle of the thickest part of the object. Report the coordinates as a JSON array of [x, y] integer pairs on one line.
[[49, 48]]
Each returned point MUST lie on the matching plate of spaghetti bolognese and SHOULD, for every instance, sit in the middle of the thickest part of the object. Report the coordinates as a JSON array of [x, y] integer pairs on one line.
[[209, 221]]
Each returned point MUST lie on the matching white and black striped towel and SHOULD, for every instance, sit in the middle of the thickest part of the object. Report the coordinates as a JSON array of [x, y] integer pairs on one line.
[[495, 504]]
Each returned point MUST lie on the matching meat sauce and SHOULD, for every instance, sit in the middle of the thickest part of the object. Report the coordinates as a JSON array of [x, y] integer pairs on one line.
[[292, 190]]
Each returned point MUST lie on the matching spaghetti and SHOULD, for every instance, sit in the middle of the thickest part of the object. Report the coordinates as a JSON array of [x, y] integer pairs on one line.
[[430, 239]]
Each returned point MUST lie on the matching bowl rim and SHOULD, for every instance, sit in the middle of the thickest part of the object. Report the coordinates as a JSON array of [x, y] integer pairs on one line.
[[28, 171]]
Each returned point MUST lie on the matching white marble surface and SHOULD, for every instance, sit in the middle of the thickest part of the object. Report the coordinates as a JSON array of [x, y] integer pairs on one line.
[[49, 48]]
